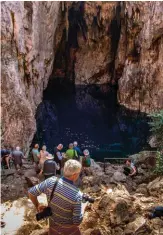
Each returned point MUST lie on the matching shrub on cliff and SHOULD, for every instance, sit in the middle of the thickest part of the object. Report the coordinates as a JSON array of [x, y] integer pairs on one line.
[[156, 125], [159, 163]]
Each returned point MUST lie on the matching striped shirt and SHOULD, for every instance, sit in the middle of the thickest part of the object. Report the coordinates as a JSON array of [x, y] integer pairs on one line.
[[66, 203]]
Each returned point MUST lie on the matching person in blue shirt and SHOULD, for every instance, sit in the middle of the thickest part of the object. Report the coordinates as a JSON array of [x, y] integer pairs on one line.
[[156, 212], [66, 203], [78, 150], [5, 156]]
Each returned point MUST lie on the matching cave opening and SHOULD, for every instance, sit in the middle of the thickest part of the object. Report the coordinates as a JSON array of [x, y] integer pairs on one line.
[[88, 114]]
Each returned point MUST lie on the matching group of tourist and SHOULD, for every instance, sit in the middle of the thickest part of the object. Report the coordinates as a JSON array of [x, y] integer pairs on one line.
[[15, 155], [49, 164], [64, 198], [52, 164], [46, 163]]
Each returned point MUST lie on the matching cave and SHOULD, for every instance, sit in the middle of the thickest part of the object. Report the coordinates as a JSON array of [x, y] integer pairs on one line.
[[87, 113], [90, 115], [88, 72]]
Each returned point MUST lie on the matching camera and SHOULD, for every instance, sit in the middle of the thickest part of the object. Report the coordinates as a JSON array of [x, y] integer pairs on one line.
[[87, 198], [47, 212]]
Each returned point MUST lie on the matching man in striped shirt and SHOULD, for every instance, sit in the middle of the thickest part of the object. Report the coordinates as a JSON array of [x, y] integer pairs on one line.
[[66, 203]]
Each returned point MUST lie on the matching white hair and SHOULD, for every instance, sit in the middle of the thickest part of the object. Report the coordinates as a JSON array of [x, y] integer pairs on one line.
[[60, 146], [17, 148], [75, 143], [71, 167]]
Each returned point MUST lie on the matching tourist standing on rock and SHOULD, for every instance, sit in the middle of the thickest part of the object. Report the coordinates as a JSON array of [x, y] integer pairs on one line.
[[35, 154], [42, 156], [86, 160], [58, 157], [17, 157], [129, 169], [50, 167], [66, 202], [5, 156], [78, 150], [71, 153]]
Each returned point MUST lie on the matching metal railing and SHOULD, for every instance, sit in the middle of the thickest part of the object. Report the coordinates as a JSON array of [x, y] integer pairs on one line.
[[119, 160]]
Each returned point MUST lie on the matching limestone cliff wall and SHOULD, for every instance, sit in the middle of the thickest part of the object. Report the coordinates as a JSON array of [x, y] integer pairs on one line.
[[27, 31], [140, 56], [94, 55], [116, 43], [124, 45]]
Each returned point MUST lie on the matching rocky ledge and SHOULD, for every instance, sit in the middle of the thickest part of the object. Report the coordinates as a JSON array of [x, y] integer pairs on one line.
[[122, 202], [120, 206]]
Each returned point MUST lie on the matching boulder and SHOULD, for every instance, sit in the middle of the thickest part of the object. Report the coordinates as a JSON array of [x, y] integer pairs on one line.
[[31, 177], [95, 166], [27, 166], [121, 212], [118, 231], [40, 232], [31, 181], [153, 142], [8, 172], [145, 157], [88, 231], [90, 181], [95, 189], [118, 177], [155, 187], [137, 225], [142, 188], [157, 224], [110, 170], [30, 173], [116, 203]]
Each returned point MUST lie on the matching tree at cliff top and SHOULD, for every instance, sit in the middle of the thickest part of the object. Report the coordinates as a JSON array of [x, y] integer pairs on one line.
[[157, 129]]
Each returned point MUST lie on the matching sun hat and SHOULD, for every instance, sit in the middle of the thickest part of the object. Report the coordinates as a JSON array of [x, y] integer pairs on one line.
[[86, 152], [49, 156]]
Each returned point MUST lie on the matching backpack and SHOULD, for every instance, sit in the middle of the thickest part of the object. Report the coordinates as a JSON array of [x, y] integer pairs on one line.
[[86, 162]]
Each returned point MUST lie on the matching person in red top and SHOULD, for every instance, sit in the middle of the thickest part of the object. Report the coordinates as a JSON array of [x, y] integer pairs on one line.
[[42, 157]]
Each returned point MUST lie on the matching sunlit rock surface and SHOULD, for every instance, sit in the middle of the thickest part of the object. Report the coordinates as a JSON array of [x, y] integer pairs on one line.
[[27, 31], [115, 43], [119, 208], [140, 52], [19, 216]]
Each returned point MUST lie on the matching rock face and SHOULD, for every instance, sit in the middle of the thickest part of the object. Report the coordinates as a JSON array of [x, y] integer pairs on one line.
[[89, 43], [116, 211], [141, 56], [95, 53], [156, 186], [28, 30]]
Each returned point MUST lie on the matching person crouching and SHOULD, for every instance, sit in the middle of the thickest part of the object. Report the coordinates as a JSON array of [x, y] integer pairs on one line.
[[129, 169]]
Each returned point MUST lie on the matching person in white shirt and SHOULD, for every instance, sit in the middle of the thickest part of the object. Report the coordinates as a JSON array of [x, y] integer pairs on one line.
[[129, 169]]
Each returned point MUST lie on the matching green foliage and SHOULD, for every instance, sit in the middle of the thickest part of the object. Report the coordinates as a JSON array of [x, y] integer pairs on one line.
[[156, 125], [159, 163]]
